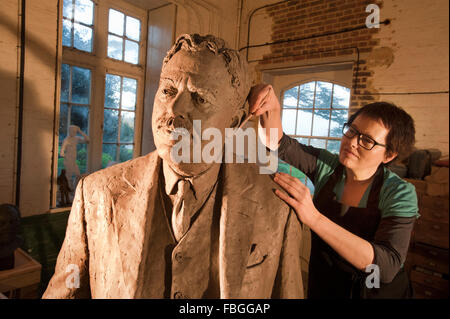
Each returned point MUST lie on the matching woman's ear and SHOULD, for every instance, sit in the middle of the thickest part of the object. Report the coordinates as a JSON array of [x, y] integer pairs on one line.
[[389, 156]]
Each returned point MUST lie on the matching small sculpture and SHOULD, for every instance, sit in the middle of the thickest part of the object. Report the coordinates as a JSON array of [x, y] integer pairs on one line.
[[9, 239], [69, 152], [64, 188]]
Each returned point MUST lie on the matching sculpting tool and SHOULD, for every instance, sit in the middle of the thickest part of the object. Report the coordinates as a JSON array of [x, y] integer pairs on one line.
[[250, 115]]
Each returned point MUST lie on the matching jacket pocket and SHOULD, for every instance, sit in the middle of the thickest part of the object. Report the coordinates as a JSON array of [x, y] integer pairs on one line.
[[257, 257]]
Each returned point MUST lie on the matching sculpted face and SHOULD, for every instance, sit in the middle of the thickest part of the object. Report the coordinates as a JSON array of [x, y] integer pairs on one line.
[[73, 130], [193, 86]]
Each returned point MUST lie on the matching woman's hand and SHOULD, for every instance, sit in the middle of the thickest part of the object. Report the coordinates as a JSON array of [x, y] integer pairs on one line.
[[264, 103], [262, 99], [300, 198]]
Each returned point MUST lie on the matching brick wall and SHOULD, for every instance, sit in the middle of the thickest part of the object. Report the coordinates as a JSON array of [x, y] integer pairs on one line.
[[309, 18]]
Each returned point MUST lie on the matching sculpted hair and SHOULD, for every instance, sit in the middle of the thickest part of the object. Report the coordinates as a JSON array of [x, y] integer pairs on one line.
[[401, 136], [236, 65]]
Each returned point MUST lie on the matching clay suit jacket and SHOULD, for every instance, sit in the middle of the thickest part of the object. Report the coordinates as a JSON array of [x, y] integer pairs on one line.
[[112, 215]]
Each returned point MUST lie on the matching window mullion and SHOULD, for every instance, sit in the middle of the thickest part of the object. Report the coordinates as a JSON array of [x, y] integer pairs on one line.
[[69, 106], [119, 122], [313, 110], [296, 110]]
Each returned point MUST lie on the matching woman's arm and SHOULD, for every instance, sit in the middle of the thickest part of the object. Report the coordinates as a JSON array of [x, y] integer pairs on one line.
[[352, 248]]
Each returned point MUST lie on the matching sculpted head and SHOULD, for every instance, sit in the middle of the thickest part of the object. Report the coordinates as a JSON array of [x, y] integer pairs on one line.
[[73, 129], [201, 79]]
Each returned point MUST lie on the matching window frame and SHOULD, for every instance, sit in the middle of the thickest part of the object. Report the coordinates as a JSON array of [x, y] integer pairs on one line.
[[311, 136], [99, 64], [327, 138], [124, 36]]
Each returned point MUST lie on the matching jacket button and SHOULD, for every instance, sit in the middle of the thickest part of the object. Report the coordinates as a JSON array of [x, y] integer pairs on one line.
[[178, 257], [178, 295]]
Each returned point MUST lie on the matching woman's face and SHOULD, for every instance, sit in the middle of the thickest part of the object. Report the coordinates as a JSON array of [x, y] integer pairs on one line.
[[355, 157]]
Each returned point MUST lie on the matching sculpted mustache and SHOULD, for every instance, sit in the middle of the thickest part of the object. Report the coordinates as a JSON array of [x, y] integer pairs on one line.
[[172, 122]]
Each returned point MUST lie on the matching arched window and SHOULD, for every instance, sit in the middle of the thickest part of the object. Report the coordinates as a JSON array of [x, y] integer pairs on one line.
[[315, 112]]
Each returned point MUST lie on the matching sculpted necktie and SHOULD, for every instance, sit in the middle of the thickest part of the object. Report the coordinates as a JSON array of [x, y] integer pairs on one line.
[[182, 209]]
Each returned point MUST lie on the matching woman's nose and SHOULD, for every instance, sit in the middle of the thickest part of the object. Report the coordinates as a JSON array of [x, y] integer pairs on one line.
[[350, 141]]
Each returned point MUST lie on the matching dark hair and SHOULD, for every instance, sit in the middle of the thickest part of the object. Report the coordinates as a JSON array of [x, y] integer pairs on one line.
[[401, 136]]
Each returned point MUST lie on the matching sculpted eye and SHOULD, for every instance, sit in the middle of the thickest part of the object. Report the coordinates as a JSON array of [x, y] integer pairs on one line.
[[198, 98], [170, 91]]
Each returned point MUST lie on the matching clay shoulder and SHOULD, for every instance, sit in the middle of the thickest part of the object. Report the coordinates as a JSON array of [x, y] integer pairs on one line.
[[103, 178]]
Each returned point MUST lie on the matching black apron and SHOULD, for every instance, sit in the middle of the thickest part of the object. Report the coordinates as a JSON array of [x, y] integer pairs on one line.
[[331, 276]]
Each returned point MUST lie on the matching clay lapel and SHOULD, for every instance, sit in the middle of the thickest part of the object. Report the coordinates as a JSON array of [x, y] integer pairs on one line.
[[236, 232], [132, 214]]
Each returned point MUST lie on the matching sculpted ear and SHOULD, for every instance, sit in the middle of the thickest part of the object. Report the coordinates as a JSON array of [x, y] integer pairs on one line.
[[238, 117]]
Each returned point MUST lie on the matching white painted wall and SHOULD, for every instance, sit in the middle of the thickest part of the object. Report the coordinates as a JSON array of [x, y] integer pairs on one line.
[[10, 39], [418, 36], [160, 38], [39, 106]]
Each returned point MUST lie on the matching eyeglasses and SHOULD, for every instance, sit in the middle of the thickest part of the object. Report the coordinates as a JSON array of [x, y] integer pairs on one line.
[[364, 141]]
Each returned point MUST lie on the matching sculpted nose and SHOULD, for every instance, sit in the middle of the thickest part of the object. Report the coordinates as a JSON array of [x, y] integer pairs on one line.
[[179, 106]]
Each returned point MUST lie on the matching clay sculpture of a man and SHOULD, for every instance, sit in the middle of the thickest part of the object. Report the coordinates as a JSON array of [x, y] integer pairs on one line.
[[153, 227]]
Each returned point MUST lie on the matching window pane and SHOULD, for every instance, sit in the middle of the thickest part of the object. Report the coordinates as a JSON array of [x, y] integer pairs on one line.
[[112, 91], [109, 154], [67, 33], [306, 95], [110, 126], [82, 157], [116, 22], [126, 152], [84, 11], [129, 94], [304, 120], [81, 83], [62, 122], [133, 28], [341, 96], [338, 118], [319, 143], [333, 146], [302, 140], [82, 38], [321, 122], [65, 82], [115, 47], [323, 94], [127, 127], [79, 116], [288, 121], [67, 9], [131, 52], [290, 98]]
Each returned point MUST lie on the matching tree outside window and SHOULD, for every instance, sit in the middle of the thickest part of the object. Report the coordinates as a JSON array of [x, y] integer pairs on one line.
[[314, 114]]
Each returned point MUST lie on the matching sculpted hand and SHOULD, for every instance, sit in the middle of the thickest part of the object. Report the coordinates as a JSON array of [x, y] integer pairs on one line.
[[300, 198]]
